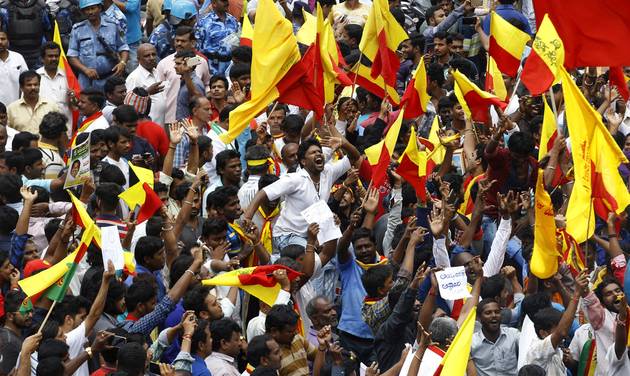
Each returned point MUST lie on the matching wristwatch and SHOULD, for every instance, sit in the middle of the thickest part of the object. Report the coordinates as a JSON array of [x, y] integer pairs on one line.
[[88, 350]]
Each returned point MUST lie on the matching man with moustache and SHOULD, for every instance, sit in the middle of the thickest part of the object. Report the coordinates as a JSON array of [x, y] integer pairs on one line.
[[17, 318], [145, 76], [27, 113]]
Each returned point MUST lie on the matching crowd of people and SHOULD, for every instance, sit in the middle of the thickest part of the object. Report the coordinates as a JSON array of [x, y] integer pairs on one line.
[[157, 84]]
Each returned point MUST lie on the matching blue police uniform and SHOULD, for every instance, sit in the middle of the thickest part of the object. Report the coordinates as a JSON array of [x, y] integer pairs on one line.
[[216, 38], [86, 46], [116, 15], [161, 38]]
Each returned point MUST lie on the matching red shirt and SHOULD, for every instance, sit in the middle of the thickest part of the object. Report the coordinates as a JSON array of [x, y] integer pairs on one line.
[[154, 134], [103, 371]]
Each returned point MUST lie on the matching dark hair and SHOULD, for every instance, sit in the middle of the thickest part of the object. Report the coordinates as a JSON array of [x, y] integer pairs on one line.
[[222, 330], [30, 156], [95, 96], [304, 146], [112, 174], [27, 75], [362, 233], [431, 12], [129, 357], [546, 319], [111, 83], [224, 115], [266, 180], [453, 37], [199, 335], [257, 152], [440, 35], [533, 303], [223, 194], [147, 246], [139, 292], [216, 78], [607, 280], [354, 31], [224, 156], [108, 194], [195, 102], [70, 306], [492, 287], [13, 300], [521, 143], [213, 226], [125, 114], [292, 124], [179, 267], [277, 107], [52, 366], [531, 369], [23, 140], [113, 134], [289, 263], [53, 125], [292, 251], [483, 303], [257, 348], [183, 30], [111, 353], [204, 143], [238, 70], [375, 277], [184, 54], [117, 291], [49, 46], [96, 136], [242, 54], [52, 348], [280, 316], [435, 73], [8, 219], [417, 41], [195, 299]]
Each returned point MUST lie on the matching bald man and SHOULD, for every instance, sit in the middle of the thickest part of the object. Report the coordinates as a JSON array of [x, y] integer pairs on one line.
[[145, 76]]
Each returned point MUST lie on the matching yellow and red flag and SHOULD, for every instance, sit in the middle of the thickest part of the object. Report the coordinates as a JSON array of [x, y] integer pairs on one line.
[[507, 43], [307, 33], [544, 263], [596, 157], [415, 99], [477, 100], [548, 132], [81, 217], [247, 31], [360, 74], [380, 155], [494, 81], [456, 357], [277, 70], [412, 166], [544, 62], [327, 58], [73, 82], [467, 206], [256, 280], [381, 37]]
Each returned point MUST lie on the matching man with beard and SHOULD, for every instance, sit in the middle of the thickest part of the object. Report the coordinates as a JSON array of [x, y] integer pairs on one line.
[[26, 113], [145, 76], [17, 318], [494, 340], [264, 355], [310, 184]]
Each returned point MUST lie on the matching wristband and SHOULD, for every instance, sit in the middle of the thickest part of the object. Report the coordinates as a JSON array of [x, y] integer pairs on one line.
[[189, 271]]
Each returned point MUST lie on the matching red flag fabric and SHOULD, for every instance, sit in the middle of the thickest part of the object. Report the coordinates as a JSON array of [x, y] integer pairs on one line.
[[297, 87], [595, 33], [263, 275], [618, 79], [151, 204]]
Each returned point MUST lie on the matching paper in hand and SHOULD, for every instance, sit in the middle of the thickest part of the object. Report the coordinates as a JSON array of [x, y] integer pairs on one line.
[[453, 283], [321, 214], [111, 247]]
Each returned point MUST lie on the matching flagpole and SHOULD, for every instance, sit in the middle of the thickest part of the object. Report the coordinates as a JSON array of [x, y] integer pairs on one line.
[[588, 222], [356, 73], [47, 316], [518, 81], [553, 107]]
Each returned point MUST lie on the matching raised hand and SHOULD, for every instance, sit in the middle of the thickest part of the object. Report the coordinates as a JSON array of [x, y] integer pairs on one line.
[[507, 204], [436, 221], [373, 370], [417, 236], [313, 230], [371, 201], [28, 194], [176, 131], [282, 278]]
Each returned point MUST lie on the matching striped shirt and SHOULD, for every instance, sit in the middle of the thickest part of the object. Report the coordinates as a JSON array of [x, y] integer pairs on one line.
[[105, 220], [295, 358]]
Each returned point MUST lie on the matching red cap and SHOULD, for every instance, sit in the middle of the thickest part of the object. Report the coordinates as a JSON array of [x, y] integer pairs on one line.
[[34, 266]]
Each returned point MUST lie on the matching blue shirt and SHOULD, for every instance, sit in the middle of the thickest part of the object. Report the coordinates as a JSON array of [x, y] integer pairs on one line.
[[183, 98], [116, 15], [352, 296], [216, 38], [162, 37], [140, 269], [85, 45], [235, 241], [199, 367], [508, 12], [132, 12]]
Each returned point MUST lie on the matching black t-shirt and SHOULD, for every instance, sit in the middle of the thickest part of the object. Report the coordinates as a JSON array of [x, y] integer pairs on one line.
[[11, 346]]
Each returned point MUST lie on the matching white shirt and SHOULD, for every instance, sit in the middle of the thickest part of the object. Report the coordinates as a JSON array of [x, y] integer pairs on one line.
[[122, 165], [256, 326], [98, 123], [299, 193], [141, 77], [10, 70], [221, 365], [542, 353], [248, 190], [75, 339], [617, 367], [56, 88]]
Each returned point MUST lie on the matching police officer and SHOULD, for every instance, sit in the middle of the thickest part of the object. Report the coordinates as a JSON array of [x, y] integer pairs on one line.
[[96, 49], [217, 33], [182, 12], [28, 24]]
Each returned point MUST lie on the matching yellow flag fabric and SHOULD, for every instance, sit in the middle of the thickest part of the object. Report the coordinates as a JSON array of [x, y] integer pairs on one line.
[[247, 31], [546, 132], [266, 294], [498, 85], [460, 98], [274, 52], [456, 357], [328, 54], [507, 43], [549, 47], [373, 153], [144, 174], [380, 19], [39, 282], [134, 196], [596, 158], [85, 218], [307, 33], [544, 263]]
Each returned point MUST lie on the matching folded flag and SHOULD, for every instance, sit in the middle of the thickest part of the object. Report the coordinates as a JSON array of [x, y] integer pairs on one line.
[[544, 263], [81, 217], [247, 31], [494, 81], [545, 60], [256, 280], [415, 99], [413, 165], [360, 74], [548, 131], [456, 357]]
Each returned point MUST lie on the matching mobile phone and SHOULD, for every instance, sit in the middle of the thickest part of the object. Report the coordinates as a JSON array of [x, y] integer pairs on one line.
[[193, 61], [469, 20], [136, 156], [154, 368], [146, 156]]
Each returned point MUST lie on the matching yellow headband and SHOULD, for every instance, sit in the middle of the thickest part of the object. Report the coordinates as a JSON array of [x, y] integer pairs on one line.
[[258, 162]]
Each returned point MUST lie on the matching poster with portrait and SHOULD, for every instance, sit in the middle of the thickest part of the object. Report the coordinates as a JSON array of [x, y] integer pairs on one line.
[[78, 165]]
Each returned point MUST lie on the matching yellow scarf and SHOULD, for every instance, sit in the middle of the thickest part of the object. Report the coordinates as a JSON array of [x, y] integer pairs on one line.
[[382, 261], [266, 231]]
